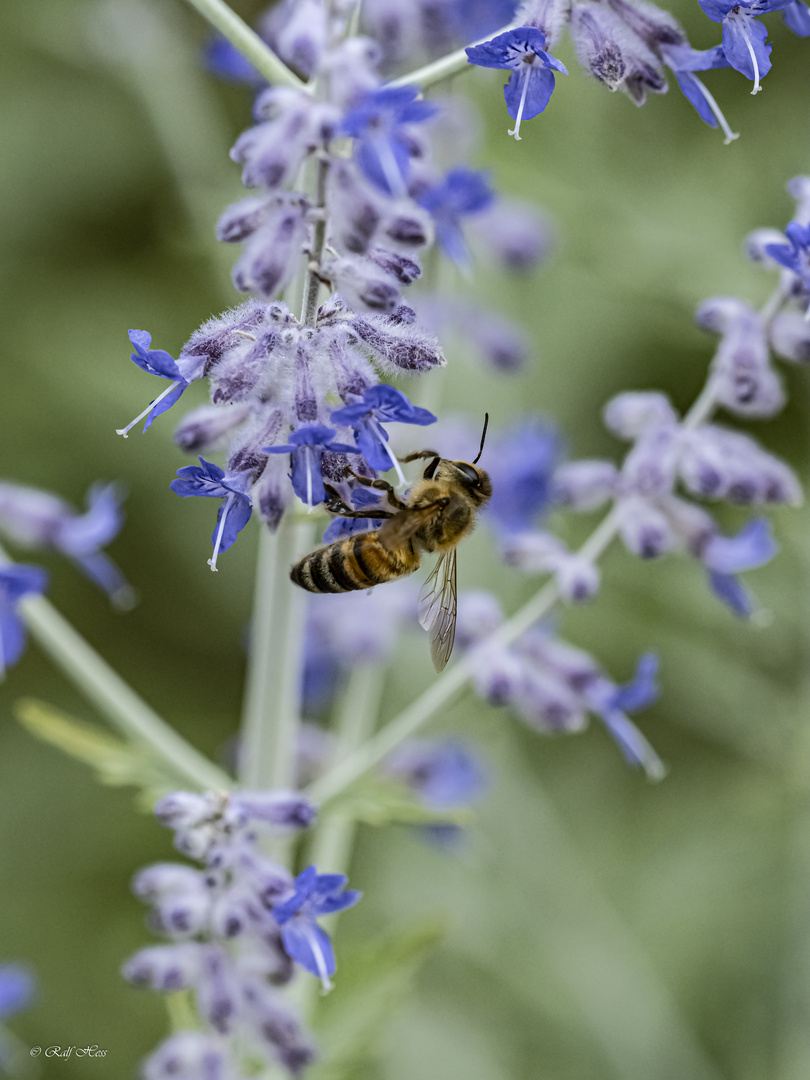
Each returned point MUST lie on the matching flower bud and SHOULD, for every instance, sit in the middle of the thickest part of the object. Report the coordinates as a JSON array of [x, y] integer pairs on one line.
[[644, 529], [206, 427], [584, 485], [790, 337], [628, 415]]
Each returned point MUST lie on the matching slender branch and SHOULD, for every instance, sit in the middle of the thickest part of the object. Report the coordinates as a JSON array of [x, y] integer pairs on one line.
[[436, 697], [273, 694], [332, 843], [312, 286], [105, 688], [249, 44], [445, 67]]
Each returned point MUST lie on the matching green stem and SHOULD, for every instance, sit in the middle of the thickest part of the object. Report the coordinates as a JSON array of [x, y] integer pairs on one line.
[[105, 688], [249, 44], [332, 844], [273, 695], [312, 285], [443, 68]]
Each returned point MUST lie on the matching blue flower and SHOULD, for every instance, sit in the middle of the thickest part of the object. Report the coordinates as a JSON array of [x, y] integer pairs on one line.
[[306, 448], [744, 42], [155, 362], [380, 403], [35, 518], [520, 464], [341, 526], [611, 703], [684, 62], [211, 482], [532, 80], [16, 989], [306, 942], [444, 773], [384, 146], [462, 192], [795, 255], [726, 556], [15, 582]]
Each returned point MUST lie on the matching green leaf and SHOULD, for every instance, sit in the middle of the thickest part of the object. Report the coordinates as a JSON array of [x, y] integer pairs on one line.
[[116, 762], [373, 982], [376, 801]]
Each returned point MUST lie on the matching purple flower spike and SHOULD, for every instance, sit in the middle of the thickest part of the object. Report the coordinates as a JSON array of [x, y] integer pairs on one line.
[[726, 556], [531, 83], [380, 403], [306, 449], [211, 482], [315, 894], [155, 362], [15, 583]]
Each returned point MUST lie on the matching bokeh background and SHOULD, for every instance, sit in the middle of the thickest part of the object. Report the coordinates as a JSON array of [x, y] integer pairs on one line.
[[594, 925]]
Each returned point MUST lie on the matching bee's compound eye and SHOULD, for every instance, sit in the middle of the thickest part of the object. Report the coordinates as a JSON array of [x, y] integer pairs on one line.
[[470, 474], [431, 469]]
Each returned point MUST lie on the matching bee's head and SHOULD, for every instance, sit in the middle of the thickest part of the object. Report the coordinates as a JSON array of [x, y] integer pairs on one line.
[[474, 480]]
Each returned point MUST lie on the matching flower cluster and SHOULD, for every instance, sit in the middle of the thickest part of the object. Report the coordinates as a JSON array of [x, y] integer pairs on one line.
[[237, 928], [552, 685], [628, 45], [288, 392]]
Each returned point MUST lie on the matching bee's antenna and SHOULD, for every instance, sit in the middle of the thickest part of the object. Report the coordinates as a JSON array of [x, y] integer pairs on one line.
[[483, 436]]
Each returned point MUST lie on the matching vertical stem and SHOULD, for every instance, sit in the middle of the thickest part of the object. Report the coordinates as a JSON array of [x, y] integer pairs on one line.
[[309, 309], [357, 718], [273, 695]]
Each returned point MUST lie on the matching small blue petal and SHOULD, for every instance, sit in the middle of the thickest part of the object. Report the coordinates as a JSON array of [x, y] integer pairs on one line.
[[739, 32], [732, 592], [538, 92], [16, 989], [797, 17], [642, 691], [304, 941], [753, 546], [239, 508], [19, 580], [12, 642]]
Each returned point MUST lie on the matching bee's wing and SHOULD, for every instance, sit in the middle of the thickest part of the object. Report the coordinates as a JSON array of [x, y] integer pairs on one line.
[[398, 530], [437, 608]]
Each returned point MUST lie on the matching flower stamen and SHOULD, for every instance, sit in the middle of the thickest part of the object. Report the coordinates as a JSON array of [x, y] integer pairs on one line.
[[124, 431]]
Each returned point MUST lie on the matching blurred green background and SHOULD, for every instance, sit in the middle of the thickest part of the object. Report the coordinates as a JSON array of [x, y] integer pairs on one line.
[[596, 926]]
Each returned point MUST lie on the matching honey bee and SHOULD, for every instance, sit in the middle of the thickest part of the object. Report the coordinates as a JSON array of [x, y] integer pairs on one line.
[[437, 513]]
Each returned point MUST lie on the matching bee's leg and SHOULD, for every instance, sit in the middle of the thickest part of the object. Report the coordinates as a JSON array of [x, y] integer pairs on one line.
[[336, 505], [418, 454], [380, 485]]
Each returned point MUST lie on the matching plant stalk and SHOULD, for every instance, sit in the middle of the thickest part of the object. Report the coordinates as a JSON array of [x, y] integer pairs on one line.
[[249, 44], [273, 694], [113, 697]]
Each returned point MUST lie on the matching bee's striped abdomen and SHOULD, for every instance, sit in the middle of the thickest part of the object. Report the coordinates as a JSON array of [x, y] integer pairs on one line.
[[356, 562]]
